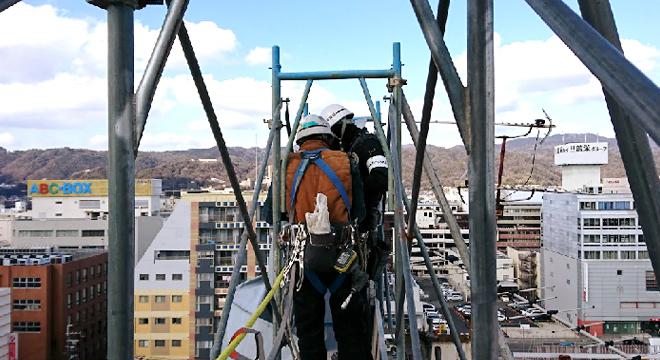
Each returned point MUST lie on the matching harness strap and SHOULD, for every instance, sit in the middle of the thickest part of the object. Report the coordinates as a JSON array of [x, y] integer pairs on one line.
[[314, 156], [320, 287]]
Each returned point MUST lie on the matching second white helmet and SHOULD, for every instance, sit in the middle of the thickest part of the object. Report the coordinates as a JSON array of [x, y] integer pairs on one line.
[[334, 113]]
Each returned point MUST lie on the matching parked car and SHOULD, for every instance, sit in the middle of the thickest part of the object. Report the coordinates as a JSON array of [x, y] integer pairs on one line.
[[533, 312], [500, 316], [432, 314], [428, 307], [505, 298], [455, 296]]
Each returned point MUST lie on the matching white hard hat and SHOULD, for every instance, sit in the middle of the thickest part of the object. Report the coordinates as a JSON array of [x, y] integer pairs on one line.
[[334, 113], [312, 125]]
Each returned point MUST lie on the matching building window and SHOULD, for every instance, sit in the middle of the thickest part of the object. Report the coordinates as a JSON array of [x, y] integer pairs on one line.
[[143, 321], [643, 255], [159, 343], [614, 205], [587, 205], [568, 281], [143, 299], [89, 204], [204, 299], [26, 304], [35, 233], [177, 277], [66, 233], [173, 254], [144, 276], [627, 255], [98, 290], [159, 298], [176, 321], [651, 282], [591, 222], [93, 233], [91, 292], [591, 239], [143, 343], [68, 301], [177, 298], [610, 255], [592, 255], [26, 326], [26, 282], [160, 277], [160, 321], [619, 272], [176, 343]]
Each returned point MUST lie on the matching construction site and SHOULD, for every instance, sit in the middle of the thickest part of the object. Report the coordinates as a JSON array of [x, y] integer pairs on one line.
[[497, 322]]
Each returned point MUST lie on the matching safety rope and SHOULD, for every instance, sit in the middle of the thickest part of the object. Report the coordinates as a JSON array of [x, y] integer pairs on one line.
[[260, 309]]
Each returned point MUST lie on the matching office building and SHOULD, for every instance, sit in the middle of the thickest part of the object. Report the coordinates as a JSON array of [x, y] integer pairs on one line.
[[596, 268], [519, 226], [87, 199], [59, 302], [164, 321]]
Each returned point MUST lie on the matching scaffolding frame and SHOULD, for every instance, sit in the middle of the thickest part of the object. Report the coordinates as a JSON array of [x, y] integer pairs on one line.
[[631, 97]]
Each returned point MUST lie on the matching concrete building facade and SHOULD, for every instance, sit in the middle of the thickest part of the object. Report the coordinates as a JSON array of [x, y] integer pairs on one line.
[[215, 233], [51, 290], [5, 322], [87, 199], [596, 268], [163, 320]]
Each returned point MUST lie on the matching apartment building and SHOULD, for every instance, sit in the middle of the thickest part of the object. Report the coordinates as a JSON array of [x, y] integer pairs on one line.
[[215, 233], [59, 302], [5, 325], [164, 319]]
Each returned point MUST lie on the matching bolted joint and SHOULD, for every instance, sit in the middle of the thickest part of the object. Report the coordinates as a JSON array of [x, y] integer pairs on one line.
[[395, 81]]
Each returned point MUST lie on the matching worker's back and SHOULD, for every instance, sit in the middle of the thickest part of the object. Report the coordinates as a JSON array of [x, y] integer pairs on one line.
[[315, 180]]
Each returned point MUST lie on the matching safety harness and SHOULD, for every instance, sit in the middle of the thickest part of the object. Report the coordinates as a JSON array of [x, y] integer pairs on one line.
[[314, 157]]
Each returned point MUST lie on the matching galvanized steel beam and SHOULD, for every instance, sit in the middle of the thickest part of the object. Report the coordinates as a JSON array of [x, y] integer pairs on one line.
[[6, 4], [121, 181], [147, 88], [335, 75], [196, 73], [242, 252], [445, 65], [632, 139], [633, 90], [429, 95], [455, 336], [480, 84]]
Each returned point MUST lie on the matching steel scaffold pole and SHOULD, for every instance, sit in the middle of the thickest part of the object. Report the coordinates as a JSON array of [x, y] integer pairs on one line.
[[455, 336], [633, 142], [198, 78], [633, 90], [276, 179], [121, 176], [445, 65], [454, 228], [481, 100], [154, 70], [242, 252], [429, 94]]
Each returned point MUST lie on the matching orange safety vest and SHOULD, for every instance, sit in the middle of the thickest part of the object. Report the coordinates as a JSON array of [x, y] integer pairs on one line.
[[315, 181]]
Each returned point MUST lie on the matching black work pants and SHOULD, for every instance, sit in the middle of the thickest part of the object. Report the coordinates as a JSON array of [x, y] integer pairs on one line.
[[350, 324]]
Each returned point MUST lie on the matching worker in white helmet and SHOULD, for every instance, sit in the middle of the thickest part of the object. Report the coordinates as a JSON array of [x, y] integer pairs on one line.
[[373, 171]]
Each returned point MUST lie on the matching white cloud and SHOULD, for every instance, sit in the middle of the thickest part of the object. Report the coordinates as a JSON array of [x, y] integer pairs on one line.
[[535, 74], [259, 56], [6, 139]]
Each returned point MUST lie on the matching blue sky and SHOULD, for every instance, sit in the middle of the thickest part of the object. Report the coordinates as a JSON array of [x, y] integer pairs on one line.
[[53, 85]]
